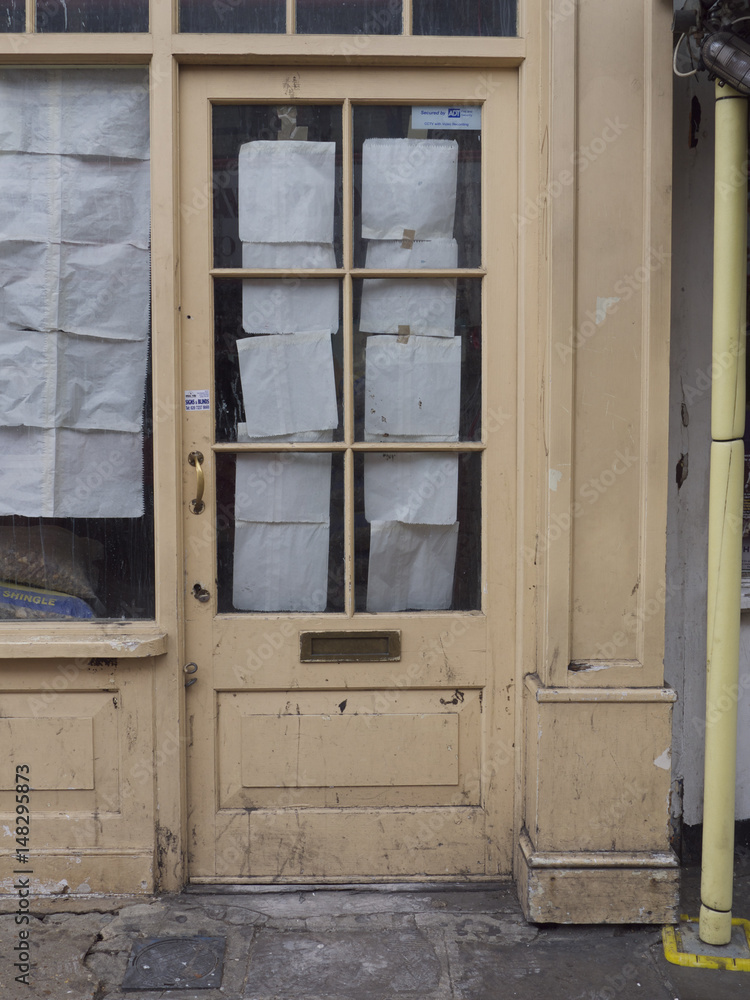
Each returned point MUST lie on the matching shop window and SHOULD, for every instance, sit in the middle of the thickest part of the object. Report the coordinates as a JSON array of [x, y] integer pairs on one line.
[[76, 524], [92, 15]]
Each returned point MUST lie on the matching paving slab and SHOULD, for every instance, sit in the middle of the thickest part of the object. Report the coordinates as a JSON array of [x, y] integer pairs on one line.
[[345, 965], [58, 946], [368, 943]]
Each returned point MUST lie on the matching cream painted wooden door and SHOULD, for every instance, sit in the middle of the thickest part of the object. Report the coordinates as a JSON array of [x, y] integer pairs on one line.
[[348, 321]]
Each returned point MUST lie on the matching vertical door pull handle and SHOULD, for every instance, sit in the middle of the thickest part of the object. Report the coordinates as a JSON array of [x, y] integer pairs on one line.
[[195, 458]]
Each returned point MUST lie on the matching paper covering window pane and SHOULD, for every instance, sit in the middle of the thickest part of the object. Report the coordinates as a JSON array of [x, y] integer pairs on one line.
[[411, 566], [413, 386], [68, 199], [409, 185], [279, 306], [280, 567], [60, 380], [78, 112], [91, 290], [69, 473], [415, 489], [425, 308], [288, 384], [288, 255], [74, 290], [286, 486], [423, 253], [286, 191]]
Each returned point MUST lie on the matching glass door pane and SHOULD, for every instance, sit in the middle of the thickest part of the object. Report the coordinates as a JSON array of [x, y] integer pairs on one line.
[[310, 354]]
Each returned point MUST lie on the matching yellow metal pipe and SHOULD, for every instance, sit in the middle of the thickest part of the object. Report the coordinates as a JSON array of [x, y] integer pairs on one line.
[[725, 515], [730, 267]]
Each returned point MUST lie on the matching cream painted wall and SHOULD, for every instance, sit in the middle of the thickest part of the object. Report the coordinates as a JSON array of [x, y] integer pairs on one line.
[[689, 435]]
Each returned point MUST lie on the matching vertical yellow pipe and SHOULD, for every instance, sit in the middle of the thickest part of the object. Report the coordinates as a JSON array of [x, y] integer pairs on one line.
[[725, 514]]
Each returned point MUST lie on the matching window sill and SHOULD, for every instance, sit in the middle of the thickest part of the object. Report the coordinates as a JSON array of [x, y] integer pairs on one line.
[[42, 640]]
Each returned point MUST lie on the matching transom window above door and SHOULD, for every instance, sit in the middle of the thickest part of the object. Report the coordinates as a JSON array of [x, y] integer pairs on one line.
[[351, 17], [304, 17]]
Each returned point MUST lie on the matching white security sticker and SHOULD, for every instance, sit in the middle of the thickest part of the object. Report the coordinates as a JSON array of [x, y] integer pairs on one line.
[[457, 117], [197, 399]]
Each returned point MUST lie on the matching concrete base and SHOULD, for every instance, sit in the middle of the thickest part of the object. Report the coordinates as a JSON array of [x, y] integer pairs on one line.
[[597, 889]]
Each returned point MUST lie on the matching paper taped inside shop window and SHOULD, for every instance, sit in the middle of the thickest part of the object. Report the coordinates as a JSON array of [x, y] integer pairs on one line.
[[60, 472], [386, 254], [413, 387], [285, 486], [76, 112], [286, 191], [280, 567], [413, 488], [287, 384], [409, 185], [60, 380], [68, 199], [92, 290], [411, 566], [74, 290]]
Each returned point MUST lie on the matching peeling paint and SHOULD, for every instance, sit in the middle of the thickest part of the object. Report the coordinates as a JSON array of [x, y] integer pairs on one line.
[[664, 761], [603, 306], [554, 478]]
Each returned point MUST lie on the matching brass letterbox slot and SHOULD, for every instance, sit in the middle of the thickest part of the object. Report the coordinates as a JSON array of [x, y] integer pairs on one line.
[[349, 647]]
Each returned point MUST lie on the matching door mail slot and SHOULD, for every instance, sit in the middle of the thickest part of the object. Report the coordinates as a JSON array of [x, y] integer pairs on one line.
[[349, 647]]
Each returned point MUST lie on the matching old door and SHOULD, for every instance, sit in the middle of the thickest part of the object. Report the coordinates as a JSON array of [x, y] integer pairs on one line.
[[348, 318]]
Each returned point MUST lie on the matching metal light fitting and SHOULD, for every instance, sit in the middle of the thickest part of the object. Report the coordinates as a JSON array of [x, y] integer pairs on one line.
[[727, 57]]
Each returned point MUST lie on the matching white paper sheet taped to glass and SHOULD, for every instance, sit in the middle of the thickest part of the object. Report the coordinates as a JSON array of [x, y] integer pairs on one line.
[[75, 282], [60, 472], [413, 387], [427, 306], [409, 185], [280, 566], [286, 191], [412, 488], [411, 566]]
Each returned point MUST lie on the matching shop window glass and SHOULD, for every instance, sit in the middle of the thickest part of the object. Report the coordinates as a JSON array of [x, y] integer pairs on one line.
[[12, 15], [471, 17], [233, 16], [92, 15], [76, 511], [349, 17]]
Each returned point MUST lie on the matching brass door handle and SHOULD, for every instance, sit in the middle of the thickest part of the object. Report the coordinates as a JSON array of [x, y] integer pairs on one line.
[[195, 458]]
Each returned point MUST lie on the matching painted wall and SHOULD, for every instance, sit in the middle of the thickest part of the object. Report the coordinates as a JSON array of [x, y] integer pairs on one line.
[[689, 441]]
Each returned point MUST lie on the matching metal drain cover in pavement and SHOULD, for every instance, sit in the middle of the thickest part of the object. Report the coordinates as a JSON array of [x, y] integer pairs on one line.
[[187, 963]]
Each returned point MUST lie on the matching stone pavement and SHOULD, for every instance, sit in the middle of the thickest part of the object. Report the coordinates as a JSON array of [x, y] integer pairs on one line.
[[391, 943]]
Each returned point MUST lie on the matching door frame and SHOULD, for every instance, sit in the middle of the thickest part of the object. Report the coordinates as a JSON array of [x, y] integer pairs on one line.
[[199, 88]]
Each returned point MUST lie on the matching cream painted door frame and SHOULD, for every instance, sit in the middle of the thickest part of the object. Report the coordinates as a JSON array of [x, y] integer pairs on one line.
[[342, 771]]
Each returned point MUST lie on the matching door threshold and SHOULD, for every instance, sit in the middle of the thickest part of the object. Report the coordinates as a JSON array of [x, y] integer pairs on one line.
[[205, 886]]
